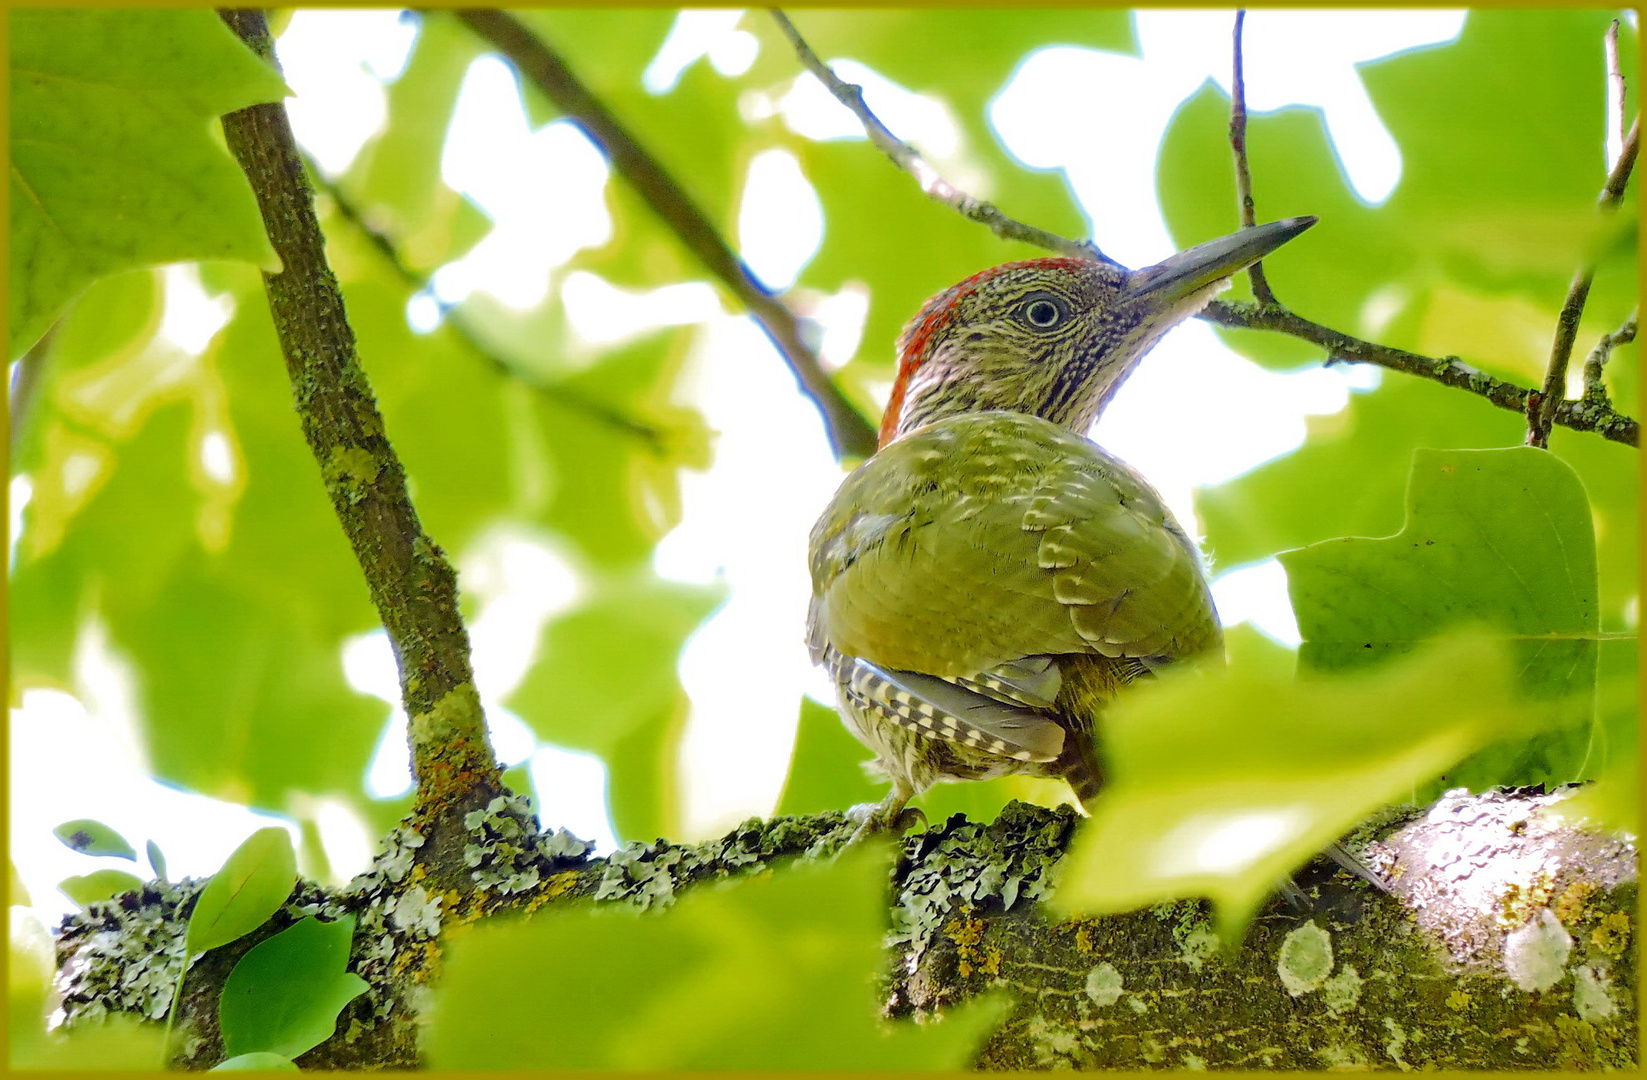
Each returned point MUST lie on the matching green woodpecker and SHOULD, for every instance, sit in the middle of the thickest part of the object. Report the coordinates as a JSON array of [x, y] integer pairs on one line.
[[988, 580]]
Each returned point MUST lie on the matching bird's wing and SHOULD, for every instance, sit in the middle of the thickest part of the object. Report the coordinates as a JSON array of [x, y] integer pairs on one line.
[[982, 542]]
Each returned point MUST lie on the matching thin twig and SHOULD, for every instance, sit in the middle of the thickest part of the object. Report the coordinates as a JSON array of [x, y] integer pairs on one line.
[[411, 583], [1615, 74], [849, 433], [25, 384], [1447, 370], [559, 393], [909, 159], [1595, 387], [1243, 175], [1542, 414]]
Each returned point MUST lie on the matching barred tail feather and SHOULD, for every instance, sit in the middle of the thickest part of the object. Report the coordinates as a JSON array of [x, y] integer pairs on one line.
[[1079, 765]]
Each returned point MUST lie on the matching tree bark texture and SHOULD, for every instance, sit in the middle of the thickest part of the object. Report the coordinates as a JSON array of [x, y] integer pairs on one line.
[[1507, 943]]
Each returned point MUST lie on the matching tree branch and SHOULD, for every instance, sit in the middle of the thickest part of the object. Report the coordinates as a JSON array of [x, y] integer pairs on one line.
[[1595, 389], [908, 159], [849, 433], [1243, 175], [559, 393], [412, 585], [1447, 370], [1541, 414], [1615, 74], [1341, 348]]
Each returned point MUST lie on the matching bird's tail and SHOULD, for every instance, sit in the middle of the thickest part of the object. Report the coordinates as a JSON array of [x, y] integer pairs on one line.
[[1079, 765]]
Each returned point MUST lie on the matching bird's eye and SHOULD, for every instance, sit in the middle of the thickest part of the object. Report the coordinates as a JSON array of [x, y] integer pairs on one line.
[[1043, 313]]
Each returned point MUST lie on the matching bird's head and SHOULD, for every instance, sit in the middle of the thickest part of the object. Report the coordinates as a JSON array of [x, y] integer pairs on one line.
[[1055, 337]]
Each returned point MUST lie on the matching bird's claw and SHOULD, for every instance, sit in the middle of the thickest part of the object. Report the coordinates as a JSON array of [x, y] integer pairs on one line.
[[880, 819]]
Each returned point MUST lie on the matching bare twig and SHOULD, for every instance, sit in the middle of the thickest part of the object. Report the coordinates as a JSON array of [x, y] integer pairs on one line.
[[849, 433], [1554, 391], [411, 583], [1447, 370], [1243, 175], [909, 159], [1615, 75], [1595, 388], [559, 393]]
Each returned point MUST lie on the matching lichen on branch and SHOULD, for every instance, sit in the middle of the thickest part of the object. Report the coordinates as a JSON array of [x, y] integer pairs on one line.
[[411, 583]]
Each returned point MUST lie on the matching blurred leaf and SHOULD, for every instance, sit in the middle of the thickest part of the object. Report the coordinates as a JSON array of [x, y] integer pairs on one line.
[[1501, 163], [771, 972], [113, 164], [1226, 779], [157, 860], [966, 59], [1501, 206], [115, 317], [826, 769], [94, 838], [1614, 800], [17, 894], [397, 173], [608, 665], [1294, 171], [605, 681], [113, 1042], [259, 1061], [1501, 537], [252, 886], [284, 996], [86, 889]]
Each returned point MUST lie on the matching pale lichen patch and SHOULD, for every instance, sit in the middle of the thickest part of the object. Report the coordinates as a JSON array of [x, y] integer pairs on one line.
[[1342, 992], [1199, 946], [1535, 955], [1104, 985], [1306, 959], [1397, 1039], [1590, 996]]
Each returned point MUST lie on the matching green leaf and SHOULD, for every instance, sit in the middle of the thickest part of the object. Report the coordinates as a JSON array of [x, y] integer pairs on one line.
[[284, 995], [1501, 537], [94, 838], [1226, 779], [258, 1061], [254, 882], [98, 885], [771, 972], [157, 859], [826, 769], [113, 161]]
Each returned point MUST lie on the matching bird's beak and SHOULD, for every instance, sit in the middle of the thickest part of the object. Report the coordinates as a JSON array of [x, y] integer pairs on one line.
[[1191, 271]]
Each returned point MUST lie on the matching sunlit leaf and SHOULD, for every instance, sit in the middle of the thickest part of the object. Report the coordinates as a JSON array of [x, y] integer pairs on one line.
[[258, 1061], [284, 996], [773, 972], [252, 885], [94, 838], [1225, 779], [98, 885], [113, 164], [157, 859]]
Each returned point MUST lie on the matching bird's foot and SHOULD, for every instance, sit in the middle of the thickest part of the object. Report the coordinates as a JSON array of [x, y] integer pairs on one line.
[[884, 818]]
